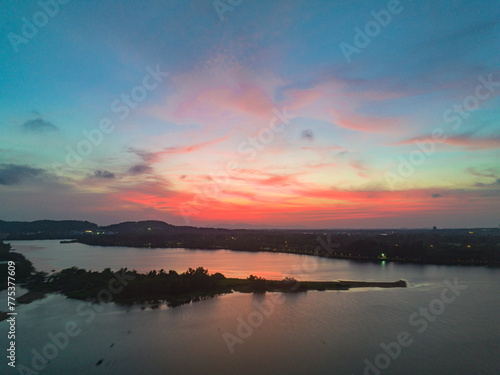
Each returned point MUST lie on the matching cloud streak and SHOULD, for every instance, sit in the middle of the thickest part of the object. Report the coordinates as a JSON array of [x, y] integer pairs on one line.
[[102, 174], [39, 125], [13, 174], [465, 141], [140, 169]]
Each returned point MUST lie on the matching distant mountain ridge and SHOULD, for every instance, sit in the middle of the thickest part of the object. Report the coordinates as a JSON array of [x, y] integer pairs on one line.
[[138, 225], [65, 229], [18, 227]]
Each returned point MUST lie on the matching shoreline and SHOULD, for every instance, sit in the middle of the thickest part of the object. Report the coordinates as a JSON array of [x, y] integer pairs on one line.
[[25, 299], [222, 286], [354, 258]]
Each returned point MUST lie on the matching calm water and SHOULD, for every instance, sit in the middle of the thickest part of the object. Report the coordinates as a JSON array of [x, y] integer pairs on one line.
[[309, 333]]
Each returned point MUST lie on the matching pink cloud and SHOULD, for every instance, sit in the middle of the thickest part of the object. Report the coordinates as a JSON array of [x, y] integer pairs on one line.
[[299, 99], [219, 93], [194, 147], [354, 121], [225, 94], [479, 143], [334, 101], [253, 178], [466, 141]]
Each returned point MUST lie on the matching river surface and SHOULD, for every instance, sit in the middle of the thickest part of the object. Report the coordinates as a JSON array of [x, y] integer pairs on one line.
[[442, 329]]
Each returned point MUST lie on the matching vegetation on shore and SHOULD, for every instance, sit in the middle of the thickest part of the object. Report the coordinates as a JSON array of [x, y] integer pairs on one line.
[[447, 246], [24, 268], [127, 286]]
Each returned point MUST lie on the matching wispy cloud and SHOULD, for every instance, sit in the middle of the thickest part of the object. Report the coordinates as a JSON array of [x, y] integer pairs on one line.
[[146, 156], [494, 184], [488, 173], [370, 124], [361, 167], [13, 174], [341, 102], [39, 125], [102, 174], [149, 157], [466, 141], [193, 147], [217, 93], [307, 134], [140, 169]]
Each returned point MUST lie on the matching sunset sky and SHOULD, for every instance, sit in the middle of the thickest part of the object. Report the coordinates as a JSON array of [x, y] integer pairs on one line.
[[277, 113]]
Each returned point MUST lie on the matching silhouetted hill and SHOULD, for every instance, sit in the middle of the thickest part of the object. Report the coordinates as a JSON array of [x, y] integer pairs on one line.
[[139, 226], [69, 229], [45, 228]]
